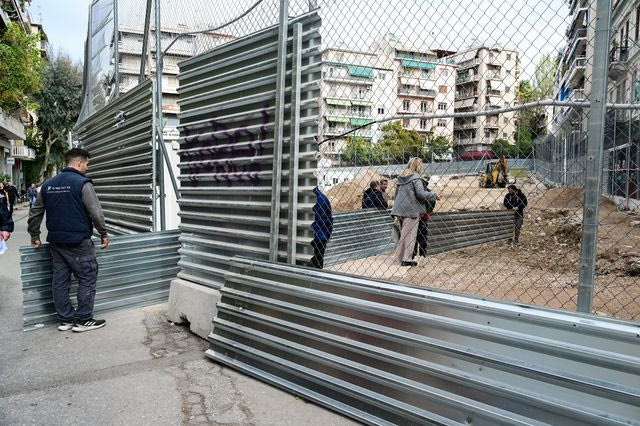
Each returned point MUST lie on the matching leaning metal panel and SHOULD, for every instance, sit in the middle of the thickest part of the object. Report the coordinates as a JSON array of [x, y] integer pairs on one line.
[[134, 271], [227, 103], [119, 138], [363, 233], [386, 353]]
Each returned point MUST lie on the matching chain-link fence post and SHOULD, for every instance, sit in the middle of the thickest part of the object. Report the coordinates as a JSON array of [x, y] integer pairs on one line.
[[278, 131], [595, 144], [159, 175]]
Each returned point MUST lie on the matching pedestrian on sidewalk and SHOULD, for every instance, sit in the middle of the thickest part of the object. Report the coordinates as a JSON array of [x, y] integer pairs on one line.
[[6, 223], [73, 210], [32, 193], [13, 193], [409, 203]]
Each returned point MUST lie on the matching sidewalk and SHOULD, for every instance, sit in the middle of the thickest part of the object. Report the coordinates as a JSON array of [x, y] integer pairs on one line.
[[140, 369]]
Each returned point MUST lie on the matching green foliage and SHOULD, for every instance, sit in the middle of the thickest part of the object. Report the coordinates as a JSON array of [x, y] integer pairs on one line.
[[60, 101], [20, 65], [502, 147], [524, 142], [4, 178], [396, 147]]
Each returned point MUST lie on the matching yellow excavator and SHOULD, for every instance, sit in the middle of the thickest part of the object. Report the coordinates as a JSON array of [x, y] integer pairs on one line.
[[495, 174]]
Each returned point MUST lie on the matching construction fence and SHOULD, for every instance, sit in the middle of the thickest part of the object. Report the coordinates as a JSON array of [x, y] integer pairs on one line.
[[296, 127]]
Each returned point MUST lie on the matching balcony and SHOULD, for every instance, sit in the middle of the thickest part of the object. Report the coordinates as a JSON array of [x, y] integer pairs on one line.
[[493, 75], [465, 125], [494, 92], [11, 127], [417, 92], [466, 78], [476, 141], [618, 59], [576, 71], [23, 152], [469, 63], [577, 95], [339, 130], [466, 94], [490, 107], [491, 124], [577, 43]]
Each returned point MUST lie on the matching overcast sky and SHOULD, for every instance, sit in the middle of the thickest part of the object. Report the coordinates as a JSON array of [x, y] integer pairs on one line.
[[532, 27]]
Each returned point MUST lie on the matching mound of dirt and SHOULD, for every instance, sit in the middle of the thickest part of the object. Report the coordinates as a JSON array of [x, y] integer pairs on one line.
[[347, 196]]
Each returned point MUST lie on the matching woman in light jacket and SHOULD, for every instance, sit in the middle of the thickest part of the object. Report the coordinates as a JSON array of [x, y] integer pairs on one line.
[[409, 203]]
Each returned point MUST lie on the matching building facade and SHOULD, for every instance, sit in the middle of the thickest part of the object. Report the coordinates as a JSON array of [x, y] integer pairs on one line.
[[13, 152], [354, 93], [486, 79]]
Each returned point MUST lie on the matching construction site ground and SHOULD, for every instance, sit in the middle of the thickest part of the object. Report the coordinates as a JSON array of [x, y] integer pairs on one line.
[[542, 269]]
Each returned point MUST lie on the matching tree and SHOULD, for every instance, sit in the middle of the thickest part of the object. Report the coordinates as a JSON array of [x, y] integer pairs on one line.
[[20, 66], [60, 101], [437, 146], [400, 143], [501, 147], [357, 151]]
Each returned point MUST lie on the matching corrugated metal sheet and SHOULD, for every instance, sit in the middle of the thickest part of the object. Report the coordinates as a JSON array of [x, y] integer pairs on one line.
[[135, 270], [119, 138], [387, 353], [364, 233], [227, 102]]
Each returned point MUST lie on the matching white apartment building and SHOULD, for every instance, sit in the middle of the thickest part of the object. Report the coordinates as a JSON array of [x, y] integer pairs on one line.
[[622, 144], [487, 79], [354, 92], [424, 82]]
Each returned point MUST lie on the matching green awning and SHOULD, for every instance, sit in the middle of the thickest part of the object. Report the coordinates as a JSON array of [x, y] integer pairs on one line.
[[361, 102], [336, 119], [358, 71], [341, 102], [360, 121], [417, 64]]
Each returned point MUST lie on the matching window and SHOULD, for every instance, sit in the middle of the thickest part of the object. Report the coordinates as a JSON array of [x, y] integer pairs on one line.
[[506, 104], [442, 106], [504, 135], [380, 110], [407, 71], [505, 120], [382, 75], [507, 89], [406, 105], [424, 107], [331, 70], [406, 122], [444, 89], [423, 124], [442, 123], [335, 181], [637, 23], [426, 73], [508, 56], [445, 73]]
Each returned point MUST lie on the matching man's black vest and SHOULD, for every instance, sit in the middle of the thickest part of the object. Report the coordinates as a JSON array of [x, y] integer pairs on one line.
[[67, 218]]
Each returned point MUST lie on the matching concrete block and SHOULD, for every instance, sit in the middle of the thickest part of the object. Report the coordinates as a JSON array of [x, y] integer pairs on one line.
[[193, 303]]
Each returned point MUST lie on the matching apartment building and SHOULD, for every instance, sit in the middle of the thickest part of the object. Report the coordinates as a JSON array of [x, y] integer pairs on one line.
[[486, 79], [12, 130], [621, 180], [424, 82], [354, 92]]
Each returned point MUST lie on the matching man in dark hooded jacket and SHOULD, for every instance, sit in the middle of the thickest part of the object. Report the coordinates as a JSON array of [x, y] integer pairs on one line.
[[517, 201], [373, 197]]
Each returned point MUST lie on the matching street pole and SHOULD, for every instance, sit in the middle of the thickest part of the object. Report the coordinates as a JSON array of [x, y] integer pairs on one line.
[[595, 144], [159, 123]]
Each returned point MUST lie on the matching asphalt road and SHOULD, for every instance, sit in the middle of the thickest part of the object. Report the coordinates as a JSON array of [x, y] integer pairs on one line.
[[139, 369]]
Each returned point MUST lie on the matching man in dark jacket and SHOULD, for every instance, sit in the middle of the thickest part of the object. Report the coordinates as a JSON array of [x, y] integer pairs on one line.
[[373, 197], [322, 227], [12, 191], [73, 209], [517, 201]]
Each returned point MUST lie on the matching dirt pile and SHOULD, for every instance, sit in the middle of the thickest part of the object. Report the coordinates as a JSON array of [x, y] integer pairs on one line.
[[347, 196]]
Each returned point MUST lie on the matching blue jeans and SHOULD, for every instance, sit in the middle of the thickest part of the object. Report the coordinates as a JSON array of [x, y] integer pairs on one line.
[[79, 260]]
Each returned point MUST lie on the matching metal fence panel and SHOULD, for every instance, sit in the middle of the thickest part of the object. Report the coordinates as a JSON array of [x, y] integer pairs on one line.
[[365, 233], [119, 138], [227, 121], [134, 271], [385, 353]]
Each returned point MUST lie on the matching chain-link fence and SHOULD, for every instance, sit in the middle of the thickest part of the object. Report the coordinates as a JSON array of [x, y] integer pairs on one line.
[[455, 139]]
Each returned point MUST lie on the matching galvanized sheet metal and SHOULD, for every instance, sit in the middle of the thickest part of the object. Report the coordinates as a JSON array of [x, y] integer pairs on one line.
[[386, 353], [364, 233], [227, 103], [119, 138], [134, 271]]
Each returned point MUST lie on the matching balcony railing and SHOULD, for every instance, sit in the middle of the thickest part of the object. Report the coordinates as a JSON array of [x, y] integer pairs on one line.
[[493, 75], [577, 95], [465, 125], [468, 94], [476, 141], [491, 107], [348, 113], [11, 127], [417, 92], [469, 63], [23, 152], [619, 54], [493, 92]]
